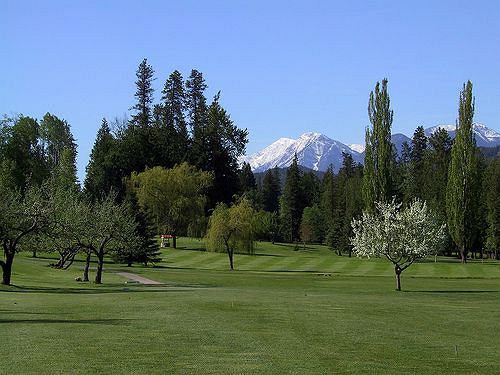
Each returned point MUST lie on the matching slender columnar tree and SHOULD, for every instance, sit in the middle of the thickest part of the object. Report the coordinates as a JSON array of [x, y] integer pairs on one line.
[[377, 182], [461, 192]]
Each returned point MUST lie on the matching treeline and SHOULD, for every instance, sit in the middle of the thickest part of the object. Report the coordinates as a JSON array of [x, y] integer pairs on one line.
[[183, 127], [459, 184], [192, 143], [173, 168]]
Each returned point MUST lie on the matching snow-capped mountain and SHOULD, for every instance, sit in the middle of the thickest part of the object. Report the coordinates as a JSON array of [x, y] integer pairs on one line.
[[357, 147], [317, 151], [314, 150], [485, 137]]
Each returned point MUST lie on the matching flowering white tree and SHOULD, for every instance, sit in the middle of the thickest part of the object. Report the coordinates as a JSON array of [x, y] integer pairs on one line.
[[401, 235]]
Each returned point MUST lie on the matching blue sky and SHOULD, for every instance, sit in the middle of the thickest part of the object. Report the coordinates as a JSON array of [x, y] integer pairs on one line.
[[284, 67]]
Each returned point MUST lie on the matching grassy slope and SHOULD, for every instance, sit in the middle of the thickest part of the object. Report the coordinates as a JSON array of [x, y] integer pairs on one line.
[[262, 318]]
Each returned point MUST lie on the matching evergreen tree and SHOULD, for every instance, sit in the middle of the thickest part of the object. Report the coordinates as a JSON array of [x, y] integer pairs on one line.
[[170, 136], [144, 95], [311, 189], [291, 203], [224, 143], [377, 182], [461, 193], [101, 173], [328, 197], [247, 178], [271, 190], [436, 171], [196, 106], [418, 150]]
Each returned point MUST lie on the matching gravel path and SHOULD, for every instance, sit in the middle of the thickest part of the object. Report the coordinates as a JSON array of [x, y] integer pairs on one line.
[[140, 279]]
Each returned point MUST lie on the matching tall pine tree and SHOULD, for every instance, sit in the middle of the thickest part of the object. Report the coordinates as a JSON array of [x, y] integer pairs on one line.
[[291, 203], [144, 95]]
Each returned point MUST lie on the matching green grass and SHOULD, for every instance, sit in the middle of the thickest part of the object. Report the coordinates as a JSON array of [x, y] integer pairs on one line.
[[279, 312]]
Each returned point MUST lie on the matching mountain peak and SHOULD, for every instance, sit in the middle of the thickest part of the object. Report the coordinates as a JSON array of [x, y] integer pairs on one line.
[[316, 151]]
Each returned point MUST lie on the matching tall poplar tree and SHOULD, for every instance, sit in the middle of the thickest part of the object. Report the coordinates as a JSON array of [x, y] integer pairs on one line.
[[461, 192], [377, 181]]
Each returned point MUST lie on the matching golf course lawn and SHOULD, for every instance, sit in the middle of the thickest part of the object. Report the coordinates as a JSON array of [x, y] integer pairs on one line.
[[281, 311]]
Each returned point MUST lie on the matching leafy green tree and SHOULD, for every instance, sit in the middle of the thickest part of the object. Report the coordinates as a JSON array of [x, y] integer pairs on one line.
[[110, 228], [21, 215], [312, 228], [23, 161], [491, 194], [461, 192], [377, 182], [174, 197], [291, 203], [402, 236], [56, 139], [231, 229], [266, 225], [147, 251]]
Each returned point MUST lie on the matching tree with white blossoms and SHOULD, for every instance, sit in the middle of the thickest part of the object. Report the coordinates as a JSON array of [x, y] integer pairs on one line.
[[403, 236]]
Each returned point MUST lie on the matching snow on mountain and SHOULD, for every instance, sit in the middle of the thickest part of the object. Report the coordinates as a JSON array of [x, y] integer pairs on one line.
[[485, 137], [357, 148], [314, 150]]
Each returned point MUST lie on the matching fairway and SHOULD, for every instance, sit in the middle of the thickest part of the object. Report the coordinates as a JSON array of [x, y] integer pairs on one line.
[[283, 310]]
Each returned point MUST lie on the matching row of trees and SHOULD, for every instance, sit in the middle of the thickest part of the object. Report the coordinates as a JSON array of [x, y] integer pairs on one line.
[[183, 147], [182, 128], [42, 205], [458, 184]]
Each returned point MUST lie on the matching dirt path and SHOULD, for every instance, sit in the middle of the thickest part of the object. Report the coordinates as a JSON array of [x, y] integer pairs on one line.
[[140, 279]]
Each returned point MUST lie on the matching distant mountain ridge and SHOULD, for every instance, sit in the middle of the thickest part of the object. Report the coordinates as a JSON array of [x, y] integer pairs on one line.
[[316, 151]]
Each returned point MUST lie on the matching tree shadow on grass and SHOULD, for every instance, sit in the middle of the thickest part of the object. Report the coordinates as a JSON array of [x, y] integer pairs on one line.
[[68, 321], [451, 291], [115, 289]]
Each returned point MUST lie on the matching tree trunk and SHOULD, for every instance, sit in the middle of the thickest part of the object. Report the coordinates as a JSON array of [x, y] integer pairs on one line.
[[86, 269], [397, 271], [7, 267], [230, 255], [463, 254], [34, 254], [100, 264], [174, 241]]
